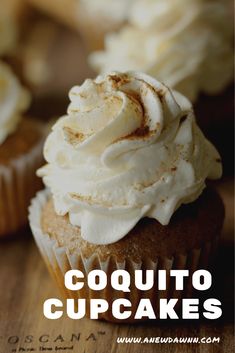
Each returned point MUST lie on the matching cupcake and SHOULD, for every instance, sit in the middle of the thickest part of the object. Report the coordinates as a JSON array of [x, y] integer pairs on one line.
[[21, 141], [187, 44], [126, 175]]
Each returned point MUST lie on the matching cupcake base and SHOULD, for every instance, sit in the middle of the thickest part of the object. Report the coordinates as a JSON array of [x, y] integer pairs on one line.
[[65, 249]]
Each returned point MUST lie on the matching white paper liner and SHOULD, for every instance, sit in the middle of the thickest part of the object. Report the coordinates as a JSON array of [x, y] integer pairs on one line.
[[59, 260], [18, 184]]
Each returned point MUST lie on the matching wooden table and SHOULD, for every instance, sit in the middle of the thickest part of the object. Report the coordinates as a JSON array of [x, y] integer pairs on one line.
[[25, 285]]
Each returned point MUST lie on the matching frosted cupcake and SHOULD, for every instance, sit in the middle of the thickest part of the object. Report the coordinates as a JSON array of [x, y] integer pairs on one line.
[[187, 44], [21, 141], [127, 169]]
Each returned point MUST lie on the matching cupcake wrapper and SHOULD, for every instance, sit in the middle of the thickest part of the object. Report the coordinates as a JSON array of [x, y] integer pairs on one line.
[[18, 184], [59, 261]]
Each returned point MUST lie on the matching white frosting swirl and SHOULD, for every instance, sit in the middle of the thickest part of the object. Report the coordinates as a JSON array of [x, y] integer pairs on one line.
[[185, 43], [14, 100], [127, 149]]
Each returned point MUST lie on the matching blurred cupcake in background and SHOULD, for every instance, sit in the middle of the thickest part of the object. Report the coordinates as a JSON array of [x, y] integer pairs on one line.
[[93, 18], [185, 43], [98, 17], [21, 141]]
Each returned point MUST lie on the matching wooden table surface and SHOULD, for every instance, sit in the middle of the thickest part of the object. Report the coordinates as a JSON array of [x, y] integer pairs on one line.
[[25, 284]]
